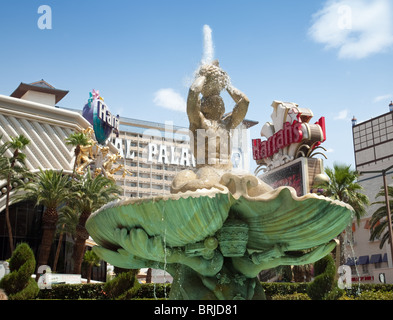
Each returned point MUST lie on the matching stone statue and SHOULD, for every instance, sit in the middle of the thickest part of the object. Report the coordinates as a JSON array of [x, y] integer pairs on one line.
[[210, 128], [208, 125]]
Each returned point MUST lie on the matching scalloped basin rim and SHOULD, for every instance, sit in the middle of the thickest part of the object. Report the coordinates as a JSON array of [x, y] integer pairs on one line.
[[187, 217], [211, 193]]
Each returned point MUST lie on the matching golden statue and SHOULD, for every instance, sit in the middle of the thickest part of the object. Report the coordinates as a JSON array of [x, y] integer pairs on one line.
[[85, 156]]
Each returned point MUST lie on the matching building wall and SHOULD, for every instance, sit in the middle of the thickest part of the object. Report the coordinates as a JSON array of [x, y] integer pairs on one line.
[[373, 142], [47, 128], [149, 178], [373, 146], [40, 97]]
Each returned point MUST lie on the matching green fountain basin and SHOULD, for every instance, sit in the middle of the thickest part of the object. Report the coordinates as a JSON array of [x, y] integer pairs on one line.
[[237, 230]]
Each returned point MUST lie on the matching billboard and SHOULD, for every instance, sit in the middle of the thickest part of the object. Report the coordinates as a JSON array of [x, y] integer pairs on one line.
[[291, 175]]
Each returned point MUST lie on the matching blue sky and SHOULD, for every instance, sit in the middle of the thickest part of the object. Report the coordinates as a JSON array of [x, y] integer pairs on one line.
[[334, 57]]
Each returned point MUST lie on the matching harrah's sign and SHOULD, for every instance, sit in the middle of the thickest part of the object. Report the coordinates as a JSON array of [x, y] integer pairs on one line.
[[294, 130], [292, 133]]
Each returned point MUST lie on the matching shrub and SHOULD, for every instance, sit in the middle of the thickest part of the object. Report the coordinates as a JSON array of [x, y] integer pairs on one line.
[[159, 291], [323, 284], [93, 291], [123, 287], [294, 296], [18, 284], [283, 288], [153, 291], [375, 295], [362, 287]]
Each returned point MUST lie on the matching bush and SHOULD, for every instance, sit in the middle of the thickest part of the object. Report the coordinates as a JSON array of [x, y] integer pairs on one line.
[[273, 290], [18, 284], [283, 288], [323, 284], [375, 295], [294, 296], [93, 291], [356, 288], [153, 291], [123, 287]]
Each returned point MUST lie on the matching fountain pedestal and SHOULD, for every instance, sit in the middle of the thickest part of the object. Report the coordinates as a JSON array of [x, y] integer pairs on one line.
[[228, 284]]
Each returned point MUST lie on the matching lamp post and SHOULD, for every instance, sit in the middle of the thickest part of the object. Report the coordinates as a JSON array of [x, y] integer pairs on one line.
[[385, 185]]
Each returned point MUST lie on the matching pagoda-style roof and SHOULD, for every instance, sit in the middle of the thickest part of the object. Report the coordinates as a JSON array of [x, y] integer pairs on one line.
[[39, 86]]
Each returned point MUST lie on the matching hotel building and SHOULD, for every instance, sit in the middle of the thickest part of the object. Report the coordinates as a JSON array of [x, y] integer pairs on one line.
[[153, 153], [373, 148]]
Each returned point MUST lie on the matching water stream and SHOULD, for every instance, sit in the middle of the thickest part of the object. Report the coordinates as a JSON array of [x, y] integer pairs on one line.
[[208, 48], [348, 240]]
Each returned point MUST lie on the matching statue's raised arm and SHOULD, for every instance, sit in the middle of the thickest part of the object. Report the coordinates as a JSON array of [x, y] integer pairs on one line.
[[240, 110], [194, 101]]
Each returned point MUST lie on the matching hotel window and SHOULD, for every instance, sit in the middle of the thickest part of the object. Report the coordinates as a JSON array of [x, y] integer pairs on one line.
[[354, 270]]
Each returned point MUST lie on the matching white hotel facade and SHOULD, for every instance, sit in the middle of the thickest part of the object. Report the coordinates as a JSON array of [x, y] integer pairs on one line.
[[153, 153]]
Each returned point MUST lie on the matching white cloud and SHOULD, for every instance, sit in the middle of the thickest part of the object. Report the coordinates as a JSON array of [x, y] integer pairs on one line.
[[357, 28], [169, 99], [383, 97], [342, 115]]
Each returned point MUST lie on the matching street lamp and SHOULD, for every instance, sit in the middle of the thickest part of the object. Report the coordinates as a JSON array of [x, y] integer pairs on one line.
[[385, 185]]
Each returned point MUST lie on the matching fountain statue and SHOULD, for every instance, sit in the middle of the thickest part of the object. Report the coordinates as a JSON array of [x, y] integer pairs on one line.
[[218, 228]]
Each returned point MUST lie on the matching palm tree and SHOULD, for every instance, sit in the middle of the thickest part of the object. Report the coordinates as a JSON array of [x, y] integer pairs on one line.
[[92, 260], [51, 189], [92, 194], [66, 224], [77, 140], [4, 160], [379, 222], [15, 168], [343, 186]]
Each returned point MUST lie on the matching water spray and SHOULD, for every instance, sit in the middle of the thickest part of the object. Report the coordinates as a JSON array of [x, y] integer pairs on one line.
[[208, 48]]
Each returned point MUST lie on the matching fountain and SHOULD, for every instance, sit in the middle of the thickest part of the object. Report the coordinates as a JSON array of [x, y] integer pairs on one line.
[[219, 227]]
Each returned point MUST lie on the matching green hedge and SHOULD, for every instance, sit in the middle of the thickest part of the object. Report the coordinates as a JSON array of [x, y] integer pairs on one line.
[[74, 292], [283, 288], [273, 290], [96, 291], [362, 288], [153, 291]]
